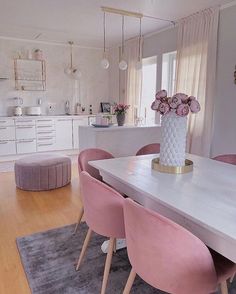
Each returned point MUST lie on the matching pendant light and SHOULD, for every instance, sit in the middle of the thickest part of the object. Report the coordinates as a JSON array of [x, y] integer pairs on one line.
[[72, 72], [104, 62], [139, 63], [123, 64]]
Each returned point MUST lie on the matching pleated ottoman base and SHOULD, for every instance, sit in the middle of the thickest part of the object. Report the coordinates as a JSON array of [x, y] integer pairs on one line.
[[42, 172]]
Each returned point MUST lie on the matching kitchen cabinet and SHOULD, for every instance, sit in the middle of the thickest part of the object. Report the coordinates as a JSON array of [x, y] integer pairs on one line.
[[26, 146], [7, 137], [7, 147], [46, 134], [29, 134], [83, 121], [63, 134]]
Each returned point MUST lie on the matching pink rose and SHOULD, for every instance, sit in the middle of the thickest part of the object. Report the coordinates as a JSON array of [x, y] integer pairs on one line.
[[155, 105], [161, 94], [174, 102], [164, 108], [195, 106], [182, 110], [182, 96], [191, 98]]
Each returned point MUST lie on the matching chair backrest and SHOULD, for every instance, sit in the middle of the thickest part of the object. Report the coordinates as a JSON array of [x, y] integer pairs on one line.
[[92, 154], [149, 149], [227, 158], [166, 255], [103, 207]]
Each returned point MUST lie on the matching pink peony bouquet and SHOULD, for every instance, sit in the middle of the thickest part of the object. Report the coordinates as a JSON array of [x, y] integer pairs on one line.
[[121, 108], [180, 103]]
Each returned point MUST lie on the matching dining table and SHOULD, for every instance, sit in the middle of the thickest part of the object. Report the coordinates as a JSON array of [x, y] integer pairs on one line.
[[203, 201]]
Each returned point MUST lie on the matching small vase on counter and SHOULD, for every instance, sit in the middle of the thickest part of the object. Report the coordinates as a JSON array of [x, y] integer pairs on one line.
[[120, 119], [120, 111]]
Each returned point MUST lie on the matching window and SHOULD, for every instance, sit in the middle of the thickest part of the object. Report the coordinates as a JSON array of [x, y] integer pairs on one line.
[[148, 89], [168, 72]]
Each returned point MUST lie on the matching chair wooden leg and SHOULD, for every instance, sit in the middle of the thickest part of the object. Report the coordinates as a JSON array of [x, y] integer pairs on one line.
[[130, 282], [232, 278], [107, 264], [224, 287], [114, 249], [81, 213], [84, 248]]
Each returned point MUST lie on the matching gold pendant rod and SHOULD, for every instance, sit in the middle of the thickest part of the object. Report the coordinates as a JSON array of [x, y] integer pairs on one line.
[[121, 12]]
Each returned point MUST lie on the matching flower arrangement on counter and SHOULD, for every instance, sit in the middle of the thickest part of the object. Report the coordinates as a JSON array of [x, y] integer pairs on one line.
[[120, 108], [180, 103]]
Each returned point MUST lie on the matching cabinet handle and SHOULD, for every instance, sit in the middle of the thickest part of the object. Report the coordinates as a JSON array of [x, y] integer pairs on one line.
[[3, 142], [3, 128], [45, 138], [25, 127], [24, 121], [45, 132], [64, 119], [46, 126], [26, 141], [46, 144], [3, 121], [42, 120]]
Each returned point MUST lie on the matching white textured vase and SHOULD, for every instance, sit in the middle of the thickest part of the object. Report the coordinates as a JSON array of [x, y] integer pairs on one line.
[[173, 139]]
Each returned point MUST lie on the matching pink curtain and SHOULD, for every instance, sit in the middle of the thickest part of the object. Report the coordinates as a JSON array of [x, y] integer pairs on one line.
[[195, 73]]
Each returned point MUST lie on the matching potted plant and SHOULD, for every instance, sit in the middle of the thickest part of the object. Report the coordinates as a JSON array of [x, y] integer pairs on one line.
[[120, 111]]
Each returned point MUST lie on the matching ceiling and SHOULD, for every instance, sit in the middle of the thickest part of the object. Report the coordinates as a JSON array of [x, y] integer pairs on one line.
[[82, 20]]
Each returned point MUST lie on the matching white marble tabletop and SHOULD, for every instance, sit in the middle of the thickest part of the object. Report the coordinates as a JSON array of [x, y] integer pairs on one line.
[[203, 201]]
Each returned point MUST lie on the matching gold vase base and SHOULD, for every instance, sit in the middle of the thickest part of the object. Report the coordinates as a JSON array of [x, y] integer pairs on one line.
[[188, 167]]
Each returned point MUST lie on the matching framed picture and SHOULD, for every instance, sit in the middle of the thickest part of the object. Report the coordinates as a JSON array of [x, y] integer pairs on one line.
[[106, 107]]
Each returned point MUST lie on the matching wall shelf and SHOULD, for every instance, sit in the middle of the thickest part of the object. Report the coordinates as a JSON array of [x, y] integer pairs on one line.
[[30, 74]]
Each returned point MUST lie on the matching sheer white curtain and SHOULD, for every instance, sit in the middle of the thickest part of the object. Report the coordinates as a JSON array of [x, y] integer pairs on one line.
[[195, 74], [131, 79]]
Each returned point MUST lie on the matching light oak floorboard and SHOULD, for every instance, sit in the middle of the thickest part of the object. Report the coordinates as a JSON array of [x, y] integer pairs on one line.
[[23, 213]]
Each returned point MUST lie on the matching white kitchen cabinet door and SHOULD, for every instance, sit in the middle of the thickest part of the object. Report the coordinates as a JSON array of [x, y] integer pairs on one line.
[[7, 133], [7, 147], [64, 134], [83, 121], [26, 146]]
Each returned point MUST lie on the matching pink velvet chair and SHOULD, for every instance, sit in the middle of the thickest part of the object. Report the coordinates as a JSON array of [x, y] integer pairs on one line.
[[170, 258], [149, 149], [227, 158], [84, 157], [103, 212], [231, 159]]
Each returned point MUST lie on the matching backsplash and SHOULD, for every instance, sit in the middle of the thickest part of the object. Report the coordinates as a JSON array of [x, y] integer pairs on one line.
[[91, 89]]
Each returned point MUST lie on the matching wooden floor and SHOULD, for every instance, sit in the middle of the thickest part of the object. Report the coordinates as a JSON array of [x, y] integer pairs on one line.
[[23, 213]]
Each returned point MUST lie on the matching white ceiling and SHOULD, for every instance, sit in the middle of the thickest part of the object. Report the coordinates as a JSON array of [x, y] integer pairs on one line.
[[81, 20]]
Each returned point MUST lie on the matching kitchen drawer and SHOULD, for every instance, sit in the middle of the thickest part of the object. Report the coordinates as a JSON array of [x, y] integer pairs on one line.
[[46, 145], [25, 132], [26, 146], [7, 147], [48, 127], [45, 121], [25, 122], [41, 133], [6, 122], [7, 133]]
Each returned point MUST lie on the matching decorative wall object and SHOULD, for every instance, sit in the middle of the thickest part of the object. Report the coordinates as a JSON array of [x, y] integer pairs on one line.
[[30, 75]]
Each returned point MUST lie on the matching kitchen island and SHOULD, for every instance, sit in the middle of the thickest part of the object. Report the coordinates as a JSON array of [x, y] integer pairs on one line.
[[119, 141]]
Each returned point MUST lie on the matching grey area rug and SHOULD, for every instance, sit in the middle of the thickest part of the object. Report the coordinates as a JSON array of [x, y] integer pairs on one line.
[[49, 260]]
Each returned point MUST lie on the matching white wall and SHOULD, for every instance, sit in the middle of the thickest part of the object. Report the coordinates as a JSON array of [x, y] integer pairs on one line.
[[94, 81], [224, 140]]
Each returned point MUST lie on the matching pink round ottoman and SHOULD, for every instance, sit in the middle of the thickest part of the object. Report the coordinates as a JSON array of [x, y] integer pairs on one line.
[[42, 172]]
